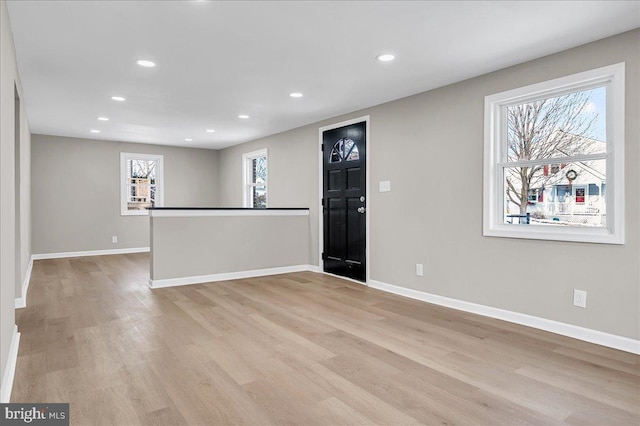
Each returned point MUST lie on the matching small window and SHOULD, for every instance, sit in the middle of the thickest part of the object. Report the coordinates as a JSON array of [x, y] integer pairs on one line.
[[344, 149], [141, 183], [550, 151], [255, 179]]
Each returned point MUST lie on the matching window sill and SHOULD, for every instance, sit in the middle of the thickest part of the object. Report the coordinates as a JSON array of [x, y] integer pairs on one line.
[[135, 213], [537, 232]]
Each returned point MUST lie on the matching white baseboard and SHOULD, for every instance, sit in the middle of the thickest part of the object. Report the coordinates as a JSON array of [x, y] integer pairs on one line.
[[173, 282], [593, 336], [89, 253], [21, 302], [10, 367]]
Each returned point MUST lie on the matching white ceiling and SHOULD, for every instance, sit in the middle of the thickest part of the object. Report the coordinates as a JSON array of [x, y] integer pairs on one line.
[[216, 60]]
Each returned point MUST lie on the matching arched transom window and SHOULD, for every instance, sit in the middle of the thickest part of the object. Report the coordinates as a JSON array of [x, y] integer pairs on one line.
[[344, 149]]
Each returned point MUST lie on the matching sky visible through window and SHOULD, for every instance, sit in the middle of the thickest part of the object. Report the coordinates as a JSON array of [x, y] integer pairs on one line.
[[598, 104]]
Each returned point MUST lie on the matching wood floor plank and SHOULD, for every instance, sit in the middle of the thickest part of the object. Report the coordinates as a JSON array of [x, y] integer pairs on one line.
[[164, 416], [298, 349], [31, 384], [378, 410], [576, 384], [333, 411], [366, 377]]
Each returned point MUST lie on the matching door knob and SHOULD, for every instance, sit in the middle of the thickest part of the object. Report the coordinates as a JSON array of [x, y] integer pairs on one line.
[[360, 209]]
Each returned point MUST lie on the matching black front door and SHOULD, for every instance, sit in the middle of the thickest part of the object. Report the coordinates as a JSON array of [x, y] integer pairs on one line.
[[344, 204]]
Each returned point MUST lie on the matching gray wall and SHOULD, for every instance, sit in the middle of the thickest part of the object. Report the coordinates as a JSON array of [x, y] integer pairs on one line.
[[13, 262], [76, 191], [194, 246], [430, 146]]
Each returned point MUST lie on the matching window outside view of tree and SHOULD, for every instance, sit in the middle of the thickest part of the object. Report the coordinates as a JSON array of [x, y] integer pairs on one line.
[[255, 179], [554, 159], [557, 147], [141, 183], [259, 182]]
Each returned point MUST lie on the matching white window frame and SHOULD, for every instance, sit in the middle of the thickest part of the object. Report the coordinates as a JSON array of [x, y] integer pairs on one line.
[[247, 158], [126, 156], [495, 157]]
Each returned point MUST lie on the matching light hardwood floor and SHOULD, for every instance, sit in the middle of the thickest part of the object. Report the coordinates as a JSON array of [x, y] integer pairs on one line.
[[299, 349]]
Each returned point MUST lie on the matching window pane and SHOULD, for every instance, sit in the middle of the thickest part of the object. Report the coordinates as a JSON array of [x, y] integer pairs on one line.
[[259, 196], [561, 126], [259, 166], [153, 196], [140, 197], [571, 194], [144, 169], [354, 155], [335, 156]]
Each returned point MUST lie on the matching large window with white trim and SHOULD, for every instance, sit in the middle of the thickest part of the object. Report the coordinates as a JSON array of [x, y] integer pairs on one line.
[[141, 183], [254, 166], [554, 159]]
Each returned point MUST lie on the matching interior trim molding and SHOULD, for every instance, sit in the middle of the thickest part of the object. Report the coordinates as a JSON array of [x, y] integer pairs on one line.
[[62, 255], [199, 279], [10, 367], [588, 335], [21, 302]]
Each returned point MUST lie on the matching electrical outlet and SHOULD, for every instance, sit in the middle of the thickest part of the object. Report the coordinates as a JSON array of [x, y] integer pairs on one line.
[[579, 298], [114, 239], [419, 269]]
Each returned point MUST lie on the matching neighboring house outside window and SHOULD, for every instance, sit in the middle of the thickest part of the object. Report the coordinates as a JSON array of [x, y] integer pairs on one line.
[[255, 179], [141, 183], [554, 159]]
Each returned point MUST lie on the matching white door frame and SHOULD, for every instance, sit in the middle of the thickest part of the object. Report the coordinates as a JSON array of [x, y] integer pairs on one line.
[[367, 120]]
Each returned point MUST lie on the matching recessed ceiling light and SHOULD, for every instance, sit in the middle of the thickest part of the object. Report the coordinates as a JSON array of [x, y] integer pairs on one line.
[[94, 131], [103, 118], [210, 131], [386, 57], [188, 139], [118, 98], [243, 116], [296, 95], [145, 63]]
